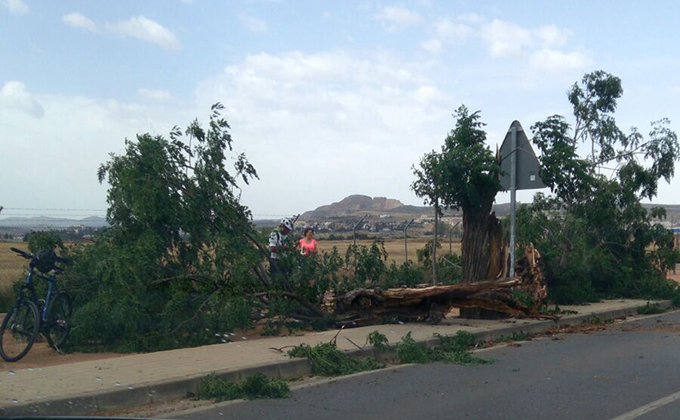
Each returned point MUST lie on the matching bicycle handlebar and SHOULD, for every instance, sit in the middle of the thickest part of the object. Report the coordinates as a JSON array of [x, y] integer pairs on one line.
[[30, 256], [24, 254]]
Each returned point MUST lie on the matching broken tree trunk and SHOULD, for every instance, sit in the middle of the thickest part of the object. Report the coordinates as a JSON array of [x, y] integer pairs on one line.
[[430, 303]]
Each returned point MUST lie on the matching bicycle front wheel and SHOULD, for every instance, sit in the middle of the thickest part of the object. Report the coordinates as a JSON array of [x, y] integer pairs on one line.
[[19, 330], [58, 322]]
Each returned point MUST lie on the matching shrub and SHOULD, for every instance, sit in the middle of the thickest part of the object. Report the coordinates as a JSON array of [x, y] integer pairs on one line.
[[43, 239]]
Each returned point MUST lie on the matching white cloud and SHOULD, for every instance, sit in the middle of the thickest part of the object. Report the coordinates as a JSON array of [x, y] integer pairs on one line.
[[254, 24], [78, 20], [505, 39], [551, 35], [73, 137], [329, 111], [146, 29], [555, 60], [431, 45], [508, 39], [452, 31], [15, 97], [154, 94], [398, 17], [472, 18], [333, 66], [16, 7]]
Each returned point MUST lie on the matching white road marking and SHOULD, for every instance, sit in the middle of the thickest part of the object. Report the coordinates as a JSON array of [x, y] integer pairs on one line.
[[649, 407]]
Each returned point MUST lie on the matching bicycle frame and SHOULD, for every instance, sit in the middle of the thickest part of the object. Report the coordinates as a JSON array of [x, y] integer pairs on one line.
[[29, 285]]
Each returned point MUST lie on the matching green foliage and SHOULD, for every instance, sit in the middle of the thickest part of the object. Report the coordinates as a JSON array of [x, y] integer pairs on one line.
[[595, 237], [6, 299], [464, 175], [650, 309], [256, 386], [452, 349], [516, 336], [369, 262], [523, 297], [407, 274], [410, 351], [327, 360], [448, 265], [174, 268], [378, 340], [39, 240]]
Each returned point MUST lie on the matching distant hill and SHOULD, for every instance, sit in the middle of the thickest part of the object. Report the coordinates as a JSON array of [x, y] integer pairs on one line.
[[359, 205], [52, 222], [351, 205]]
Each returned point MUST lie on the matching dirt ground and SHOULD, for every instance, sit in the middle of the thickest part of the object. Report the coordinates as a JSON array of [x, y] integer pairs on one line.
[[41, 355]]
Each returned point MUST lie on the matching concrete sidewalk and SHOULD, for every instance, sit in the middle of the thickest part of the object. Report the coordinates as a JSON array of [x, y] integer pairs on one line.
[[136, 380]]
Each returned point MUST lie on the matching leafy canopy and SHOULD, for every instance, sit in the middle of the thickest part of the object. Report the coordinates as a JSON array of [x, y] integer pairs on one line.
[[174, 266], [595, 236], [465, 173]]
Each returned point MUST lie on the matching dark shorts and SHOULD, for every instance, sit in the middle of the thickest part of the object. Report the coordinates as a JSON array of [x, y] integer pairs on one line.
[[274, 266]]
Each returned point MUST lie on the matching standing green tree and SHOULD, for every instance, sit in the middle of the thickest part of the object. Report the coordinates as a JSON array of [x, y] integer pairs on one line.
[[464, 176], [597, 231]]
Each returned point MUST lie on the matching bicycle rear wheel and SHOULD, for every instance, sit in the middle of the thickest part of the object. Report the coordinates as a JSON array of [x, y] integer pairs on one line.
[[58, 322], [19, 330]]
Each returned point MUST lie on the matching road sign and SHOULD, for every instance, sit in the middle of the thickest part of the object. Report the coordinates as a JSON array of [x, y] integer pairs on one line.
[[521, 166], [527, 165]]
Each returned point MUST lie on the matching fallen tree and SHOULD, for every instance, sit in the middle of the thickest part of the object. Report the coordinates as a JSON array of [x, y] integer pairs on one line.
[[520, 297]]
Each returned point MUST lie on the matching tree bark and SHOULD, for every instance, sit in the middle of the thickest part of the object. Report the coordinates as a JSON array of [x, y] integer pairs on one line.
[[368, 305], [475, 246], [496, 249]]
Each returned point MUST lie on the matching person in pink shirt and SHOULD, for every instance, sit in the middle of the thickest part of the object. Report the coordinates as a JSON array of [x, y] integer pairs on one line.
[[307, 244]]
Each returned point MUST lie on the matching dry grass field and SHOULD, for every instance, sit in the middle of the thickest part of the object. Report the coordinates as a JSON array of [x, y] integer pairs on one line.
[[11, 265], [394, 247]]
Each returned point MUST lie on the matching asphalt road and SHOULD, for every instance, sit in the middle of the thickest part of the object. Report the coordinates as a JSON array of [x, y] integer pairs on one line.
[[603, 375]]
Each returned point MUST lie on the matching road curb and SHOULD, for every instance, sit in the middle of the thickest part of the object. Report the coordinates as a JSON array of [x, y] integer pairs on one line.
[[177, 388]]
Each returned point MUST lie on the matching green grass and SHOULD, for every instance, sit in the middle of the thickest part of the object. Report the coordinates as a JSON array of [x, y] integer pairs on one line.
[[516, 336], [650, 309]]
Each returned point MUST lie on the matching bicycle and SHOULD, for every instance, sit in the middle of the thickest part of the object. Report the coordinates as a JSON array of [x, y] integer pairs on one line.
[[31, 316]]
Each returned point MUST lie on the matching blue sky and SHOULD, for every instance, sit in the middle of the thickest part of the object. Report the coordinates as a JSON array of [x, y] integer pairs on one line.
[[326, 98]]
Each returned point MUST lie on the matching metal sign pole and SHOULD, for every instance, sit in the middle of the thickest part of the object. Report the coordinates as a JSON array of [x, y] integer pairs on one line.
[[521, 171], [513, 197]]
